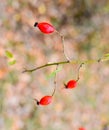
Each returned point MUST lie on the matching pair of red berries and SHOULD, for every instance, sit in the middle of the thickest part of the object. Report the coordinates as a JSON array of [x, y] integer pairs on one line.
[[47, 29], [48, 99]]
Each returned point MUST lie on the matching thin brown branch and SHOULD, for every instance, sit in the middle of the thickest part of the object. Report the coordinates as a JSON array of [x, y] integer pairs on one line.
[[91, 61], [45, 65]]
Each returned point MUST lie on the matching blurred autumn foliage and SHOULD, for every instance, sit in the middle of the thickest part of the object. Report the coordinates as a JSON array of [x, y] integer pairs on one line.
[[85, 25]]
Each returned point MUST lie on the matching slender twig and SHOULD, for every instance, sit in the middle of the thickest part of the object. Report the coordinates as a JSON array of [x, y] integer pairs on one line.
[[43, 66], [65, 62]]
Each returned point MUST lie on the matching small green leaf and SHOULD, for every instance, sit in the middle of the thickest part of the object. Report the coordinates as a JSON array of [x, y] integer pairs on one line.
[[12, 62], [54, 73], [106, 57], [51, 75], [9, 54]]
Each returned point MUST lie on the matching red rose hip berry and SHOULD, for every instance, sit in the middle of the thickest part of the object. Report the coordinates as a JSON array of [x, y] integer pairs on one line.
[[71, 84], [44, 27], [44, 100]]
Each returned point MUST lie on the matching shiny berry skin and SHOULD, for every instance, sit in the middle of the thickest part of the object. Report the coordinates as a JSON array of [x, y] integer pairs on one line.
[[71, 84], [45, 27], [82, 128], [44, 100]]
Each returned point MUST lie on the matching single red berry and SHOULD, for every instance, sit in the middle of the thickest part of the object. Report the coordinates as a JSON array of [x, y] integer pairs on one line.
[[44, 100], [45, 27], [82, 128], [71, 84]]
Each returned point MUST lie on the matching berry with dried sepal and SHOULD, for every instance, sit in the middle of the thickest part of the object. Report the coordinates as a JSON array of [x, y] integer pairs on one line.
[[44, 100], [45, 27], [71, 84]]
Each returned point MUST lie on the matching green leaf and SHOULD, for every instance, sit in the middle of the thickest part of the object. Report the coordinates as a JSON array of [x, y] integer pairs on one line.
[[51, 75], [9, 54], [12, 62], [106, 57], [54, 73]]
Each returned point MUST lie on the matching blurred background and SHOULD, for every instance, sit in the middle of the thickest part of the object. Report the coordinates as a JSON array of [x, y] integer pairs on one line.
[[85, 25]]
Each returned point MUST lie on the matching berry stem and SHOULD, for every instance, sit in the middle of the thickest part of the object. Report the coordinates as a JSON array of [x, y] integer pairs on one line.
[[55, 81], [78, 76], [62, 39]]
